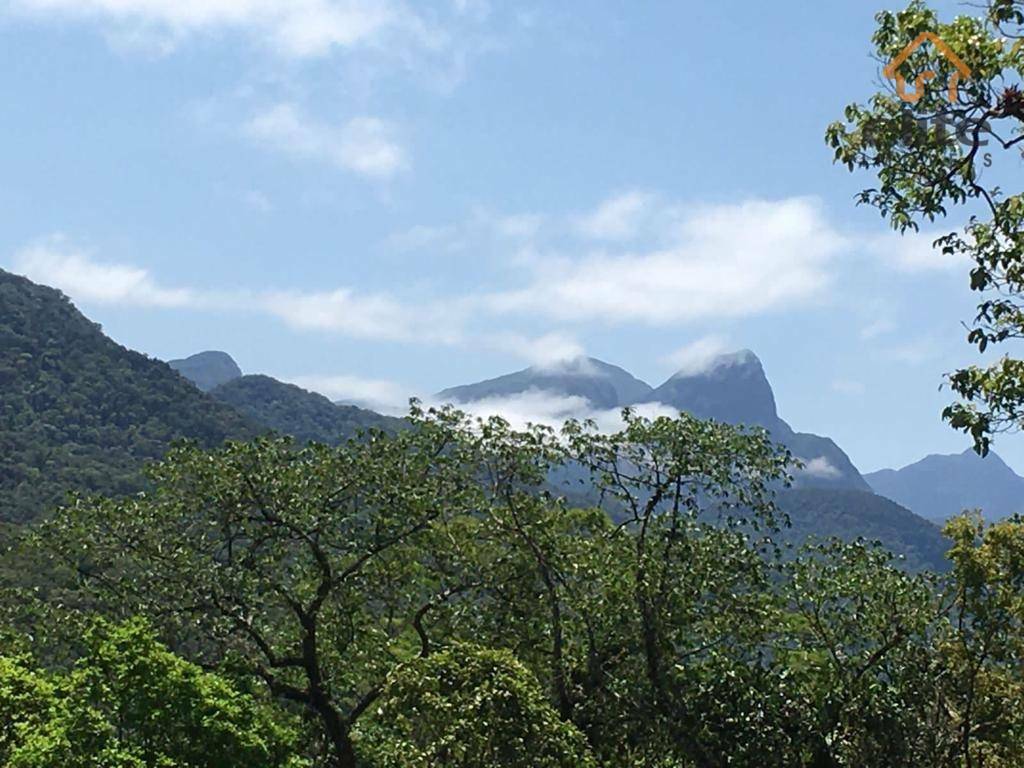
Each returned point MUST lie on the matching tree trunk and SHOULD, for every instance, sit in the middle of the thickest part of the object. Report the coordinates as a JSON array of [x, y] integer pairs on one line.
[[337, 732]]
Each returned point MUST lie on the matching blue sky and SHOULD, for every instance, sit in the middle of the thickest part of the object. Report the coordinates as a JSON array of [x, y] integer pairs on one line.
[[383, 199]]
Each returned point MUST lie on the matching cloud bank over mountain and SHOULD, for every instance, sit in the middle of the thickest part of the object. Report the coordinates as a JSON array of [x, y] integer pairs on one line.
[[729, 387]]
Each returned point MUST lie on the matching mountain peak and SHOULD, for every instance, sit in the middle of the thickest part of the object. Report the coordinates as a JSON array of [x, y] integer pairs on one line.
[[942, 485], [580, 365], [208, 370], [720, 364], [730, 387], [604, 385]]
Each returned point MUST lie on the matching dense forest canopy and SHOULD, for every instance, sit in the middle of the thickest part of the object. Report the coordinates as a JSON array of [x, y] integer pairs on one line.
[[396, 598], [78, 411]]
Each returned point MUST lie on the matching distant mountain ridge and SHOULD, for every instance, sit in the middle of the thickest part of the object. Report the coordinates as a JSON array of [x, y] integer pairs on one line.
[[732, 388], [849, 514], [941, 486], [80, 412]]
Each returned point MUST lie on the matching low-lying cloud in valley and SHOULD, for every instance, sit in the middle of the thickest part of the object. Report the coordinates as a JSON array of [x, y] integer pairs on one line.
[[536, 406]]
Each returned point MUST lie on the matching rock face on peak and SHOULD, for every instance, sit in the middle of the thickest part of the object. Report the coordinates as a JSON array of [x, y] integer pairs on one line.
[[940, 486], [208, 370], [734, 388], [604, 385], [731, 388]]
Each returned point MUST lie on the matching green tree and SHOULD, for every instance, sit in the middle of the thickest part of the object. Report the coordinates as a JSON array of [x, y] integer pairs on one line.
[[131, 703], [466, 707], [984, 647], [857, 651], [933, 155], [630, 624], [303, 565], [320, 570]]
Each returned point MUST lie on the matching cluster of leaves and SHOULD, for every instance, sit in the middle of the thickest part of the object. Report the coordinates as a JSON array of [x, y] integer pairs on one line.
[[465, 707], [422, 598], [932, 156], [128, 702], [78, 411]]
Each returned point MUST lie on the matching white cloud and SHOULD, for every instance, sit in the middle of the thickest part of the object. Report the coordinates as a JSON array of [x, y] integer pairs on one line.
[[611, 420], [421, 237], [721, 262], [363, 316], [295, 28], [695, 357], [518, 226], [484, 230], [617, 218], [819, 467], [363, 145], [876, 328], [728, 261], [534, 406], [381, 395], [914, 252], [914, 352], [57, 262], [545, 351]]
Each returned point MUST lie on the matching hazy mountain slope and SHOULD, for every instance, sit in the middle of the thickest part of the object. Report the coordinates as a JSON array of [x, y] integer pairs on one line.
[[825, 463], [821, 513], [941, 486], [734, 388], [78, 411], [604, 385], [207, 369], [851, 514], [290, 410]]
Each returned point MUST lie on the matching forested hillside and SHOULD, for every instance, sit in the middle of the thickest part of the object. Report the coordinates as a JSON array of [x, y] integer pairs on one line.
[[80, 412], [291, 410]]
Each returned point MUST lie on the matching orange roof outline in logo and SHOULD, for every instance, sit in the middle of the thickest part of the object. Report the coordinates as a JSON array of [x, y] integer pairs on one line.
[[961, 70]]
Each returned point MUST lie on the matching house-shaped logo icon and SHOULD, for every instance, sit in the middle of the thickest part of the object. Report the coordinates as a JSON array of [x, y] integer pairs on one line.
[[960, 70]]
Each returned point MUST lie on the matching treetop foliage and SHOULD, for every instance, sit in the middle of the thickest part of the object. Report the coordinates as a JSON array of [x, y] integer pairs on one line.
[[933, 157], [426, 597]]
